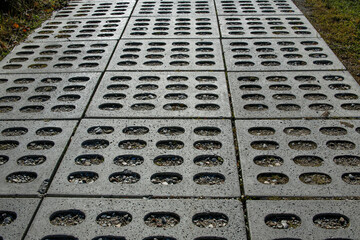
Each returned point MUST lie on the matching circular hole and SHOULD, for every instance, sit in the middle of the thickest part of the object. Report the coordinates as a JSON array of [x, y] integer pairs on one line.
[[124, 177], [71, 217], [162, 220], [113, 219], [315, 178]]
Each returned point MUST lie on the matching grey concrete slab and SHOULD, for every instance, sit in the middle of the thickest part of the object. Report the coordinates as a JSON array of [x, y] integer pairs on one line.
[[79, 29], [224, 216], [305, 219], [45, 96], [174, 8], [16, 214], [266, 27], [253, 7], [82, 56], [315, 94], [300, 157], [96, 9], [172, 27], [169, 55], [161, 95], [145, 157], [279, 55], [29, 152]]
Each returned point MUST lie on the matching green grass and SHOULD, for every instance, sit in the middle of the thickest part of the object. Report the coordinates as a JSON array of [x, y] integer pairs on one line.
[[338, 22], [18, 18]]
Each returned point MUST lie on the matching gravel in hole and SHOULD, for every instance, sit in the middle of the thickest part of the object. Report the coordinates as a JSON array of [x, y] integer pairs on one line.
[[142, 107], [256, 107], [161, 220], [128, 160], [48, 131], [31, 160], [67, 218], [168, 160], [166, 178], [135, 130], [207, 145], [308, 161], [264, 145], [303, 145], [21, 177], [331, 221], [109, 238], [59, 237], [171, 131], [297, 131], [333, 131], [113, 219], [340, 145], [347, 160], [261, 131], [40, 145], [170, 145], [124, 177], [207, 131], [268, 161], [3, 159], [273, 178], [159, 238], [209, 179], [210, 220], [89, 160], [17, 131], [315, 178], [83, 177], [7, 217], [282, 221], [95, 144], [351, 178], [98, 130]]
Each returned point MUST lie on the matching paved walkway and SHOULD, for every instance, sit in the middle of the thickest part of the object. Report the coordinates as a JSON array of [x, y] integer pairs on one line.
[[186, 119]]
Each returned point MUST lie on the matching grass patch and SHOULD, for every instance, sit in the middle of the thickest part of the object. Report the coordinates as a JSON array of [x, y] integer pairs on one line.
[[18, 18], [338, 22]]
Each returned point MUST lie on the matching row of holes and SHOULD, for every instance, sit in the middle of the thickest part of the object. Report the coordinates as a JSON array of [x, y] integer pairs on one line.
[[288, 107], [302, 145]]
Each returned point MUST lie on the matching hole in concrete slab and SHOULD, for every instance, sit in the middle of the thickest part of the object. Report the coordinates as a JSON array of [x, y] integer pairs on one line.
[[166, 178], [273, 178], [268, 161], [83, 177], [176, 96], [340, 87], [331, 221], [162, 219], [69, 98], [346, 96], [5, 109], [209, 178], [40, 145], [16, 131], [128, 160], [63, 108], [207, 145], [59, 237], [297, 131], [95, 144], [207, 131], [308, 161], [302, 145], [114, 96], [261, 131], [110, 106], [310, 87], [70, 217], [208, 160], [288, 107], [333, 131], [3, 159], [31, 109], [142, 107], [347, 160], [171, 131], [8, 145], [210, 220], [264, 145], [320, 107], [351, 106], [168, 160], [89, 160], [117, 87], [248, 79], [207, 107], [10, 99], [283, 96], [145, 96], [256, 107], [46, 89], [114, 219], [17, 89], [175, 107], [135, 130], [210, 238], [315, 96], [21, 177], [351, 178], [282, 221], [7, 217], [132, 144], [340, 145], [315, 178], [99, 130], [124, 177], [48, 131], [31, 160], [253, 97], [159, 238], [170, 144]]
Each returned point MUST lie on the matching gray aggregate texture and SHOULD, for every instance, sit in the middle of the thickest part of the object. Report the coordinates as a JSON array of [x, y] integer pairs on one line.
[[169, 55], [314, 94], [307, 211], [23, 141], [185, 209], [299, 149], [266, 27], [174, 8], [162, 94], [151, 149], [96, 9], [45, 96], [279, 55], [253, 7], [24, 209], [79, 29], [60, 57], [172, 27]]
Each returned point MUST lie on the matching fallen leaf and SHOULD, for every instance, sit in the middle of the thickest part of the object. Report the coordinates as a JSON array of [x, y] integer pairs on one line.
[[15, 25]]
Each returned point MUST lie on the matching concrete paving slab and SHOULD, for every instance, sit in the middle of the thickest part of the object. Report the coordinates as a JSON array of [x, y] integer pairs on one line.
[[172, 27], [45, 96], [305, 219], [82, 56], [169, 55], [300, 158], [279, 55], [141, 219], [174, 8], [29, 152], [16, 214], [316, 94], [253, 7], [266, 27], [96, 9], [161, 95], [170, 157], [79, 29]]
